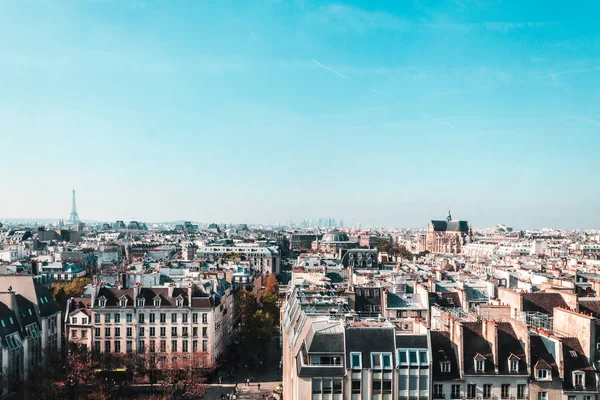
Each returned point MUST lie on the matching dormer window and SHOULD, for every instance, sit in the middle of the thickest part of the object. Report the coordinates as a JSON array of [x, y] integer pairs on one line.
[[578, 379], [123, 302], [479, 363], [102, 302], [542, 374], [141, 302], [157, 302], [445, 366], [479, 366], [356, 360], [513, 363], [381, 360], [179, 302]]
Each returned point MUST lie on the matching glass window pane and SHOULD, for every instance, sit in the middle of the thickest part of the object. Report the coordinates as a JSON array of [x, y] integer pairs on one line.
[[423, 357]]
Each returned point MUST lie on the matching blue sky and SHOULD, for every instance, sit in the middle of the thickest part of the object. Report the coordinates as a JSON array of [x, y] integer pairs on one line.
[[386, 112]]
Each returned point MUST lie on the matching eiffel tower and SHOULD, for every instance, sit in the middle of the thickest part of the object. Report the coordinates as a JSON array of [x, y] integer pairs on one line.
[[74, 218]]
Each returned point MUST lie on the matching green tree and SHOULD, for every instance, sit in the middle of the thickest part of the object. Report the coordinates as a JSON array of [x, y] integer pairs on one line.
[[61, 292]]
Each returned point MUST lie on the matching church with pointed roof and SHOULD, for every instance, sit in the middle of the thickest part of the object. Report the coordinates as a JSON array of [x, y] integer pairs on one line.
[[446, 236]]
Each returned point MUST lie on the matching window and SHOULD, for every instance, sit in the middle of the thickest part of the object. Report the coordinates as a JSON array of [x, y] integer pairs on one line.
[[129, 332], [107, 346], [513, 366], [479, 366], [387, 361], [84, 321], [587, 397], [377, 308], [152, 331], [118, 346], [204, 345], [97, 318], [117, 332], [96, 332], [542, 395], [97, 346], [412, 356], [204, 318], [195, 331], [184, 318], [505, 391], [438, 391], [471, 391], [578, 379], [163, 346], [368, 308], [163, 331], [355, 385], [204, 331], [356, 360], [83, 333], [174, 331], [107, 318], [455, 394], [174, 346], [74, 320], [571, 397], [102, 302], [156, 302], [117, 318], [520, 391], [423, 357], [152, 318], [174, 318], [179, 303], [129, 318], [74, 333], [445, 366], [129, 346], [106, 331], [185, 331], [123, 302], [141, 331], [141, 302], [487, 391], [381, 360], [141, 318], [542, 374], [185, 346], [194, 346], [402, 357], [163, 318]]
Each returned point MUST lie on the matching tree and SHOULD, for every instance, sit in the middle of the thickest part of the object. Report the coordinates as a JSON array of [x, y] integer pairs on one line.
[[269, 304], [61, 292], [271, 284]]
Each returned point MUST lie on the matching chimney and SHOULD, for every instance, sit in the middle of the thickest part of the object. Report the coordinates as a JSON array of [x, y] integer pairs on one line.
[[171, 287], [190, 291]]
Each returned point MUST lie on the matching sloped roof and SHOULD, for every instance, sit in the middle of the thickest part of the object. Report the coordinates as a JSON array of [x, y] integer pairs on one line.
[[578, 362], [367, 340], [442, 349], [540, 354], [509, 347], [450, 226], [543, 302], [474, 343]]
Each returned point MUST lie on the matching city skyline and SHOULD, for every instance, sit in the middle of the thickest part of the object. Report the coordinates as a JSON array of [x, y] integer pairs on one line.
[[387, 114]]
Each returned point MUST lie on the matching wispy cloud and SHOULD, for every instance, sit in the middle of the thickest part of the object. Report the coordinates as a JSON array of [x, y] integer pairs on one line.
[[584, 119], [506, 26], [439, 121], [333, 71], [360, 20], [377, 91], [573, 71]]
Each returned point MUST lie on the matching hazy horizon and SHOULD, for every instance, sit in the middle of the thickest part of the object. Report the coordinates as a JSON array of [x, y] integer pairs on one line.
[[386, 114]]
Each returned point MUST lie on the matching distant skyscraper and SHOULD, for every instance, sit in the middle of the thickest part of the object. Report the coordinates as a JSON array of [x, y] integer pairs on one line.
[[74, 218]]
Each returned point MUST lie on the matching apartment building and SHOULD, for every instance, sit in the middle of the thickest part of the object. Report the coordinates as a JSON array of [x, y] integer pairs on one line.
[[195, 318], [29, 330]]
